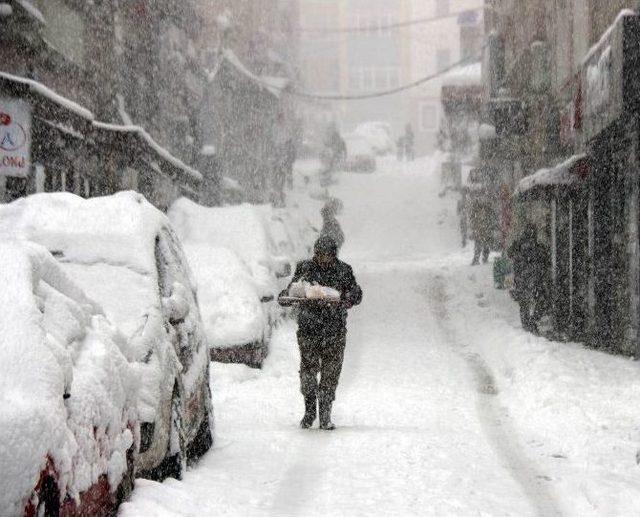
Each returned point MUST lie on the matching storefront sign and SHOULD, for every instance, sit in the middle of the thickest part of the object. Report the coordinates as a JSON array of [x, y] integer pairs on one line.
[[610, 76], [15, 138]]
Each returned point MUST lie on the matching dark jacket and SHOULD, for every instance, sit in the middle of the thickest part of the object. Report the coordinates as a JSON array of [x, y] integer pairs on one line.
[[316, 318], [530, 265]]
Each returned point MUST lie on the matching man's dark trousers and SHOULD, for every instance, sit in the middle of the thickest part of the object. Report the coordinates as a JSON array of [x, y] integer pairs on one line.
[[320, 354]]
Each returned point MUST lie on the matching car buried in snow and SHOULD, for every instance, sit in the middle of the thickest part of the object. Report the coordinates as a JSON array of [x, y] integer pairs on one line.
[[124, 253], [241, 230], [68, 416]]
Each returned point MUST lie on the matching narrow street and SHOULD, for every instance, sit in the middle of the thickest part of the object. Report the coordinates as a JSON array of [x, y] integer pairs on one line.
[[422, 425]]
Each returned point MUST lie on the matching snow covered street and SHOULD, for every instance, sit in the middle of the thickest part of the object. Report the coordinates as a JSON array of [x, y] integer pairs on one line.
[[445, 406]]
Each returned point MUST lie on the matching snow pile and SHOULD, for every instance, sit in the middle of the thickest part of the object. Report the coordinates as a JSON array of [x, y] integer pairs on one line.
[[239, 228], [230, 305], [54, 341]]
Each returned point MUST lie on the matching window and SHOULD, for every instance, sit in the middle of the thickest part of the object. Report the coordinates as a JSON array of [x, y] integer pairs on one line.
[[428, 116], [443, 59], [442, 7]]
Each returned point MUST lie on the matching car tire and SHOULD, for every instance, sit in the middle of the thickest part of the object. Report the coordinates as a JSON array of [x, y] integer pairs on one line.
[[174, 463], [202, 441], [128, 479]]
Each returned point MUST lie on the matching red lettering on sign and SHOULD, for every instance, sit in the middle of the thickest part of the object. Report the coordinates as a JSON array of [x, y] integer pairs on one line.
[[17, 162]]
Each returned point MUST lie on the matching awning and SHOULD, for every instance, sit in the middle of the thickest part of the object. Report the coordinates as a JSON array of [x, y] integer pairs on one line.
[[568, 173]]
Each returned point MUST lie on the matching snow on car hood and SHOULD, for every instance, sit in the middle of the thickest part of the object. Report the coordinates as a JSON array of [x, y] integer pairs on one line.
[[55, 340]]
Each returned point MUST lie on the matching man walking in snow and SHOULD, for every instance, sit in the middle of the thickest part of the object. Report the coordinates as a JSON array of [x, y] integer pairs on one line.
[[530, 269], [322, 329], [330, 225]]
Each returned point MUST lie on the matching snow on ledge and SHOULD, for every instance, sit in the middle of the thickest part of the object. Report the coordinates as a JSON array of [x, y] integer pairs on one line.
[[274, 85], [558, 175], [161, 151], [32, 10], [607, 34], [47, 92], [468, 75]]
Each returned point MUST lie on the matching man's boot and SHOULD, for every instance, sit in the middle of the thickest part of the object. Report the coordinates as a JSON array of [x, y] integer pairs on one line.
[[309, 412], [325, 415]]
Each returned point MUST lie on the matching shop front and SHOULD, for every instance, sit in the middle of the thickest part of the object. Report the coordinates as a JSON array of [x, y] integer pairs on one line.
[[560, 193], [611, 91]]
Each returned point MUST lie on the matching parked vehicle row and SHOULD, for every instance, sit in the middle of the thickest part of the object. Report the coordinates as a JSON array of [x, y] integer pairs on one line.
[[105, 353], [97, 417]]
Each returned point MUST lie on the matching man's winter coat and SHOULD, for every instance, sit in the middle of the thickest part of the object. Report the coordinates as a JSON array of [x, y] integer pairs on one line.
[[317, 318], [530, 265]]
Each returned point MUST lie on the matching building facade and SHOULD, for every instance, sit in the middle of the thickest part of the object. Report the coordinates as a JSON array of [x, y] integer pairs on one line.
[[561, 93]]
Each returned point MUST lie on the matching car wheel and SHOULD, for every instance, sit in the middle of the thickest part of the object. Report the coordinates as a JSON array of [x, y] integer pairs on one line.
[[128, 479], [176, 459], [48, 499], [202, 442]]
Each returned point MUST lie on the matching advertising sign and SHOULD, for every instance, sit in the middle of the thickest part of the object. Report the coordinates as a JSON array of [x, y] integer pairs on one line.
[[15, 138]]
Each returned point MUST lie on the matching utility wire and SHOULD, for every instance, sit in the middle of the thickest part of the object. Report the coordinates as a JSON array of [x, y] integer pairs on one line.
[[380, 28], [382, 93]]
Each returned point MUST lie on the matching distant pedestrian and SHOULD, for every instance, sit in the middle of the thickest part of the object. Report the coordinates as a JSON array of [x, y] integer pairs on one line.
[[330, 225], [461, 209], [530, 270], [322, 329], [409, 141], [481, 230]]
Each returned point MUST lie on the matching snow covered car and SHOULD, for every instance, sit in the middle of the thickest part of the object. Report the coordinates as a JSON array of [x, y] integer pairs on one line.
[[67, 393], [241, 230], [360, 155], [377, 135], [124, 252], [234, 319]]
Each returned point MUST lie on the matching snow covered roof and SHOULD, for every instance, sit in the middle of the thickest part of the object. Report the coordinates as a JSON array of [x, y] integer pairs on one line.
[[558, 175], [231, 184], [468, 75], [274, 85], [119, 229], [47, 92], [161, 151], [607, 34], [32, 10]]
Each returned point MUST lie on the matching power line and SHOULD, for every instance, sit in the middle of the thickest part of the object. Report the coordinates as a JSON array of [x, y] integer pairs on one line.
[[383, 93], [390, 26]]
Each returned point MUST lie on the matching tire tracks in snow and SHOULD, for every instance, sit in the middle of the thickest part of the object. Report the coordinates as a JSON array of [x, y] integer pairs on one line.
[[493, 417]]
